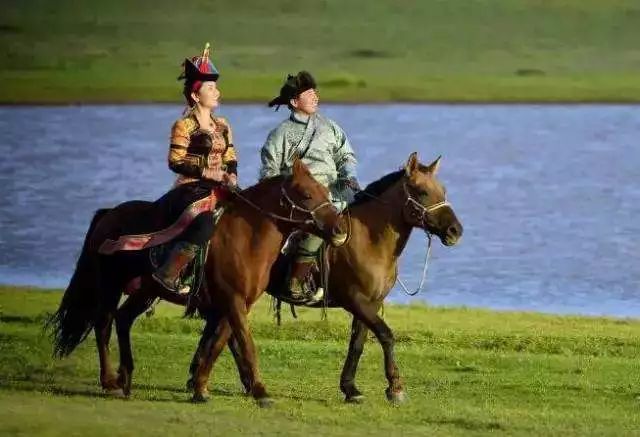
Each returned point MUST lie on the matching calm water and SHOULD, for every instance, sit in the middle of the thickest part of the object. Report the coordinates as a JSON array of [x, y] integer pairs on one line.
[[549, 195]]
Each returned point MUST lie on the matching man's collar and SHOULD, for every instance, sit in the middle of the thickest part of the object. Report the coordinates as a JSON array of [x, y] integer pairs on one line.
[[299, 117]]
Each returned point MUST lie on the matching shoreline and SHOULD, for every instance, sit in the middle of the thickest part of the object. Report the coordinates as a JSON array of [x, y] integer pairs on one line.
[[417, 304], [242, 102]]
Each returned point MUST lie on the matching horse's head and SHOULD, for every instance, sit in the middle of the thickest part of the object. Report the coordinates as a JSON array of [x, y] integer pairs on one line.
[[425, 203], [308, 196]]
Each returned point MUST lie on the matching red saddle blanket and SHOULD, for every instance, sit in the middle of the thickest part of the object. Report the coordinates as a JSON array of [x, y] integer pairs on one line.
[[138, 225]]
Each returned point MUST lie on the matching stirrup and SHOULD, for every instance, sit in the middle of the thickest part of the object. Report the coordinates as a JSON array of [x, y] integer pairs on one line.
[[175, 288], [162, 281], [317, 296], [299, 295]]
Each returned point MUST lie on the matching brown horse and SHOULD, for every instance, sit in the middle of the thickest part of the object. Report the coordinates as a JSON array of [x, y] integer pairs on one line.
[[249, 236], [363, 271]]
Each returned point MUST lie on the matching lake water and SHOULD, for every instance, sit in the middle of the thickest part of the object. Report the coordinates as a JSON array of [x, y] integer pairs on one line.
[[549, 195]]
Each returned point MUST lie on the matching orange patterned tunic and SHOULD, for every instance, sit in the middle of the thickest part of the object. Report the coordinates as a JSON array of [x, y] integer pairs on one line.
[[195, 151]]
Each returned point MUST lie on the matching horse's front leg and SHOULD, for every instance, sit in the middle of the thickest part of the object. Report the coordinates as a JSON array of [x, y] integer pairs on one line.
[[214, 337], [249, 369], [356, 347], [243, 371], [363, 310]]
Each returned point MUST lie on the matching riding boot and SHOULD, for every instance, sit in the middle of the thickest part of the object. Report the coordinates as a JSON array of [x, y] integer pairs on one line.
[[300, 271], [179, 258]]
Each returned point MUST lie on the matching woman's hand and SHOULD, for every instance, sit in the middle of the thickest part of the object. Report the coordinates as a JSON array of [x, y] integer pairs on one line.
[[213, 174], [230, 179]]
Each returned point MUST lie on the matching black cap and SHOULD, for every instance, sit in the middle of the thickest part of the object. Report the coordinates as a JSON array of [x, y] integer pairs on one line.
[[293, 87]]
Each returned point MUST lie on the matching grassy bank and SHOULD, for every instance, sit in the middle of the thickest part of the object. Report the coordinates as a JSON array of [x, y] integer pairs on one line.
[[467, 372], [411, 50]]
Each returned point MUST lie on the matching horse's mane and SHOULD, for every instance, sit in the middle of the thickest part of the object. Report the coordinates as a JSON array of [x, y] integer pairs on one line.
[[264, 182], [376, 188]]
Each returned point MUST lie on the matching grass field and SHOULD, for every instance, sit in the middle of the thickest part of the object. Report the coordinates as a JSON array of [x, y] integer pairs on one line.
[[360, 50], [467, 372]]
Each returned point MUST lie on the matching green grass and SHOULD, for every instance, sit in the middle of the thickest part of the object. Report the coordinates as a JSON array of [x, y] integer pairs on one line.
[[467, 372], [360, 50]]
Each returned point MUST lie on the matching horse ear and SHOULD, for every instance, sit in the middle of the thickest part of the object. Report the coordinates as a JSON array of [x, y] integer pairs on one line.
[[412, 164], [296, 166], [434, 166]]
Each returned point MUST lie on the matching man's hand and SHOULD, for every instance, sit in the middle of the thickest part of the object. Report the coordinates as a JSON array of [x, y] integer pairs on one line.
[[353, 184], [231, 181]]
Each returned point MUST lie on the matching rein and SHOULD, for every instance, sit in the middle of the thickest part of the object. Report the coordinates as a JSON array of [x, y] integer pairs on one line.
[[424, 271]]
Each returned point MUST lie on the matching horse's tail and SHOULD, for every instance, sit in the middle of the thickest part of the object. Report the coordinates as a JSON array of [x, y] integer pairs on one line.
[[77, 313]]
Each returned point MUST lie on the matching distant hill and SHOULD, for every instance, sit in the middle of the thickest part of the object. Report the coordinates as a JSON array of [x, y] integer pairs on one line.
[[360, 50]]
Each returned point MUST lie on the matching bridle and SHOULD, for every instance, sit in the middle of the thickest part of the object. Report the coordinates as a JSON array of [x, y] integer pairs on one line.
[[295, 207], [420, 211], [286, 200]]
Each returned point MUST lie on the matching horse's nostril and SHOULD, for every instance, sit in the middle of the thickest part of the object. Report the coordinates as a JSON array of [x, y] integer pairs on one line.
[[453, 231]]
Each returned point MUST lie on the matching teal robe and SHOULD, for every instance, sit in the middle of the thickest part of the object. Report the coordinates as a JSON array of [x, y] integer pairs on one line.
[[324, 148]]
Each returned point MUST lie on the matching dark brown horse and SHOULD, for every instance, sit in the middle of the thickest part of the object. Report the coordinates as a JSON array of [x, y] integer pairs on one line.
[[363, 271], [248, 237]]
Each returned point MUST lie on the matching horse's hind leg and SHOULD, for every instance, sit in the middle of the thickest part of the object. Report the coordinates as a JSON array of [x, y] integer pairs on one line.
[[356, 347], [102, 329], [135, 305], [214, 337]]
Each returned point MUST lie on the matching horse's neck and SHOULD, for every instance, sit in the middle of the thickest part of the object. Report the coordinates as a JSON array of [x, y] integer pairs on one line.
[[261, 223], [386, 230]]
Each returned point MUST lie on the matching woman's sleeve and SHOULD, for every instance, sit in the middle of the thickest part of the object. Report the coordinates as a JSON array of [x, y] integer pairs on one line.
[[180, 161], [229, 159]]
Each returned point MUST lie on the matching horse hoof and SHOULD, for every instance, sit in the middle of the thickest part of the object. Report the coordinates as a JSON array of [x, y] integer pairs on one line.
[[111, 383], [265, 402], [396, 397], [200, 398], [355, 399], [115, 393]]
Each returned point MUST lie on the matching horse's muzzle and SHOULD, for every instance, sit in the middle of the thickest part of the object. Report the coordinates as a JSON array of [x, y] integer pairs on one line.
[[452, 234], [338, 237], [332, 230]]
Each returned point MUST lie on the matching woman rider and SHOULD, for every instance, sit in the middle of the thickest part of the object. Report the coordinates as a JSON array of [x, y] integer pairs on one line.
[[202, 154]]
